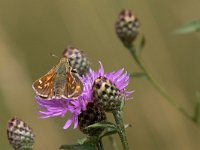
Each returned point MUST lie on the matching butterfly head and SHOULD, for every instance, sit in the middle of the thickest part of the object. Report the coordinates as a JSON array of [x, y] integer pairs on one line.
[[64, 60]]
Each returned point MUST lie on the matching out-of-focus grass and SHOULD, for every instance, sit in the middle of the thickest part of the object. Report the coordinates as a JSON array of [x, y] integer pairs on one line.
[[31, 30]]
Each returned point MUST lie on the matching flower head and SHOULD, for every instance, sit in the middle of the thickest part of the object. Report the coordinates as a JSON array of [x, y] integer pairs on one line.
[[20, 135], [59, 107], [93, 114], [127, 27], [78, 60], [107, 90]]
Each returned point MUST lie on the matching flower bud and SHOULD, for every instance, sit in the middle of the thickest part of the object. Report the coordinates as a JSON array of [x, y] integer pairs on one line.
[[20, 135], [127, 27], [106, 95], [77, 59], [91, 115]]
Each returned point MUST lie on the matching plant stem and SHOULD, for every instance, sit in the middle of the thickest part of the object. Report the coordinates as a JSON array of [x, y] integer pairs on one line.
[[156, 85], [100, 145], [114, 144], [121, 130]]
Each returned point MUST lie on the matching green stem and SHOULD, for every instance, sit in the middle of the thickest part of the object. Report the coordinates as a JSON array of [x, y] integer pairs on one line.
[[121, 130], [100, 145], [156, 85], [114, 144]]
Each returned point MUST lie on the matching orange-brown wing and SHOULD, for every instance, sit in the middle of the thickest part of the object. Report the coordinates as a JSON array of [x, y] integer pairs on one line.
[[44, 86], [74, 86]]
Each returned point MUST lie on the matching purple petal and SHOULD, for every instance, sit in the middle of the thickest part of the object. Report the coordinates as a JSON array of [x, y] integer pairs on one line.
[[75, 122], [69, 122]]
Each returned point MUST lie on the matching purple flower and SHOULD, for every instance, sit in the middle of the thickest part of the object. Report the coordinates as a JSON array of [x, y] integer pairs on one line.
[[59, 107]]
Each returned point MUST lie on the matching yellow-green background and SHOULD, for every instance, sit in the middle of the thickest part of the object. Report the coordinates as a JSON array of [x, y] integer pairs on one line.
[[31, 30]]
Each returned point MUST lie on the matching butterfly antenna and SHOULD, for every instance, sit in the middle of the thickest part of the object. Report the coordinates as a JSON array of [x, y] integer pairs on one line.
[[53, 55]]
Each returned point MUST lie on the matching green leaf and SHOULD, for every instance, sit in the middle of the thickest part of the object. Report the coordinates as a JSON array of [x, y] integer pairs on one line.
[[138, 75], [83, 140], [108, 131], [111, 131], [86, 143], [192, 26], [79, 147], [102, 125], [109, 128], [89, 140]]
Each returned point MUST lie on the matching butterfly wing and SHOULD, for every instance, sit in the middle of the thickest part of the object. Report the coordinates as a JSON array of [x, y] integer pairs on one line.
[[44, 86], [74, 85], [79, 85]]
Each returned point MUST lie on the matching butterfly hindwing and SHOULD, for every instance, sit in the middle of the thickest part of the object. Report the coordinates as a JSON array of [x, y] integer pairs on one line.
[[79, 84], [74, 85]]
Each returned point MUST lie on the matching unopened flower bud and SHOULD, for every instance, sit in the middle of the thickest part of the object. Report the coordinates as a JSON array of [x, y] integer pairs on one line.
[[106, 95], [20, 135], [127, 27], [77, 59]]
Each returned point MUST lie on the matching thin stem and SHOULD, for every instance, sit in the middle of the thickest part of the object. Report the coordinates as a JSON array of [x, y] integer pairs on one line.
[[121, 130], [114, 144], [100, 145], [156, 85]]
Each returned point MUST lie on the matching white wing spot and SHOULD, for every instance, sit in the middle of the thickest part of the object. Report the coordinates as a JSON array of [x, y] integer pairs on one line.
[[47, 84], [39, 87], [40, 81]]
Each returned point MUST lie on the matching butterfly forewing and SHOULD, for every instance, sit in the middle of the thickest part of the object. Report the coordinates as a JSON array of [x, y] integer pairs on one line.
[[44, 86]]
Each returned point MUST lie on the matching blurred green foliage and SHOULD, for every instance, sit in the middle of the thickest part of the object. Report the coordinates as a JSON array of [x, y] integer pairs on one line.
[[190, 27]]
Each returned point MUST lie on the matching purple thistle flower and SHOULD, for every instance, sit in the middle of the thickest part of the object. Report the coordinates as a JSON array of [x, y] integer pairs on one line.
[[59, 107]]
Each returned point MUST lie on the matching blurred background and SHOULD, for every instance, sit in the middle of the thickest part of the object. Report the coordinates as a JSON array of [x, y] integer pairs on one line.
[[31, 30]]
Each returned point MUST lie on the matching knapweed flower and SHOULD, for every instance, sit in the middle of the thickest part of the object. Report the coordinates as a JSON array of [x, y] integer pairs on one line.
[[59, 107], [77, 59], [93, 114], [108, 90], [20, 135], [127, 27]]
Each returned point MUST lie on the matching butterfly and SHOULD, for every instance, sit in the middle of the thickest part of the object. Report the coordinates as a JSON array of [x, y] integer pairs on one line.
[[60, 82]]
